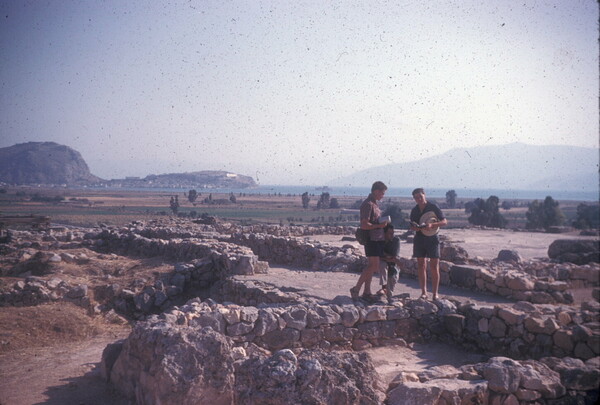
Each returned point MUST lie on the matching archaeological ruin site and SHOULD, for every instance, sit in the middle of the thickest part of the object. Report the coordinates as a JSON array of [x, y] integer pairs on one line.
[[204, 332]]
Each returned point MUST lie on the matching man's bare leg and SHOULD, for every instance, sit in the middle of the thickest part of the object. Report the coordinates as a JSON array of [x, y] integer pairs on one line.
[[367, 275], [434, 267], [422, 272]]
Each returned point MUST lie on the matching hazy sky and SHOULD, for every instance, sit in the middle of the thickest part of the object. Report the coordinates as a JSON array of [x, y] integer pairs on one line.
[[294, 92]]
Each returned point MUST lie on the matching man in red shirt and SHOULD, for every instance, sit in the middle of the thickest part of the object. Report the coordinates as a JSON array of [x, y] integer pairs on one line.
[[369, 220]]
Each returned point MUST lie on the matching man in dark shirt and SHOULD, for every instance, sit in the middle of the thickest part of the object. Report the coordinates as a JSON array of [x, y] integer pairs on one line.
[[426, 218]]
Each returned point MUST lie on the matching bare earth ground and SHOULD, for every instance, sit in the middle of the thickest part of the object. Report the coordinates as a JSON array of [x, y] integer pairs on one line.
[[53, 351]]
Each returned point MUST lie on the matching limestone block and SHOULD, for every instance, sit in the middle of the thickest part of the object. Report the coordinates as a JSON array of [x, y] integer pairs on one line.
[[338, 334], [414, 393], [487, 275], [232, 315], [350, 315], [563, 318], [454, 323], [558, 286], [249, 314], [78, 291], [539, 377], [506, 255], [376, 313], [520, 283], [320, 315], [523, 394], [296, 317], [311, 337], [403, 377], [437, 372], [280, 339], [564, 340], [511, 316], [463, 276], [502, 375], [239, 329], [397, 313], [497, 328], [491, 287], [483, 325], [266, 322], [583, 351], [538, 325], [360, 344], [420, 308], [541, 297]]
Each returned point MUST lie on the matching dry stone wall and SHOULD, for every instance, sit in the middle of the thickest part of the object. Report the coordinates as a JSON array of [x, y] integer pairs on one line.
[[521, 331]]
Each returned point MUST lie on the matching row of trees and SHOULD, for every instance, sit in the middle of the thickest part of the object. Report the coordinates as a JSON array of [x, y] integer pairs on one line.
[[325, 201]]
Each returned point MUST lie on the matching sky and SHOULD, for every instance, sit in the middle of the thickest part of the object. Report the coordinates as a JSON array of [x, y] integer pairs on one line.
[[294, 92]]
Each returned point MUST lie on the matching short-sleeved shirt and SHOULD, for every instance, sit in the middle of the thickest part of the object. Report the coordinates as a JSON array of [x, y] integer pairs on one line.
[[392, 247], [370, 210], [416, 214]]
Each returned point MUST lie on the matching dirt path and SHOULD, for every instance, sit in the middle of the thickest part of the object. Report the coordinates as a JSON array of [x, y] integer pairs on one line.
[[57, 375]]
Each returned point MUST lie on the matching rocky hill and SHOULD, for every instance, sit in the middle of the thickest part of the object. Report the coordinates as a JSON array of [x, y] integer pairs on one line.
[[43, 163]]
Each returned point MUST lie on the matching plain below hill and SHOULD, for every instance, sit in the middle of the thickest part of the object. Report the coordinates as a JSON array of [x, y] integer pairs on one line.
[[515, 166]]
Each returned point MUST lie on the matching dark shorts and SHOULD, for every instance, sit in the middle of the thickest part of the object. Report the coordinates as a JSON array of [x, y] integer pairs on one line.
[[374, 248], [426, 246]]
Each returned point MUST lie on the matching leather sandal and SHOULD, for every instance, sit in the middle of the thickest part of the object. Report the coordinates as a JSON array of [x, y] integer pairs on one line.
[[354, 293]]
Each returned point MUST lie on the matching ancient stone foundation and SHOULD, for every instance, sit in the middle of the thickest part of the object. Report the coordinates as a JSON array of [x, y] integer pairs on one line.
[[261, 345]]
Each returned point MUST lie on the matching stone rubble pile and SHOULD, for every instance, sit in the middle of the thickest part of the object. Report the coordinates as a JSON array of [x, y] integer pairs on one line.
[[166, 363], [36, 290], [500, 380]]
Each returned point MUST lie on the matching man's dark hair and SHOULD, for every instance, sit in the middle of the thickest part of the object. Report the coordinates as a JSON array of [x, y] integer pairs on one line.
[[388, 227], [378, 185], [419, 190]]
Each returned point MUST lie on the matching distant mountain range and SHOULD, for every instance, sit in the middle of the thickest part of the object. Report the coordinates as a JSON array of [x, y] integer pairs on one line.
[[515, 166], [48, 163]]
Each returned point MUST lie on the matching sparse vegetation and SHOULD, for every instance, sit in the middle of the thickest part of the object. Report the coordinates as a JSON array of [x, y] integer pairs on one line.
[[451, 198], [174, 204], [588, 217], [192, 195], [395, 212], [324, 201], [305, 200], [544, 214], [486, 213]]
